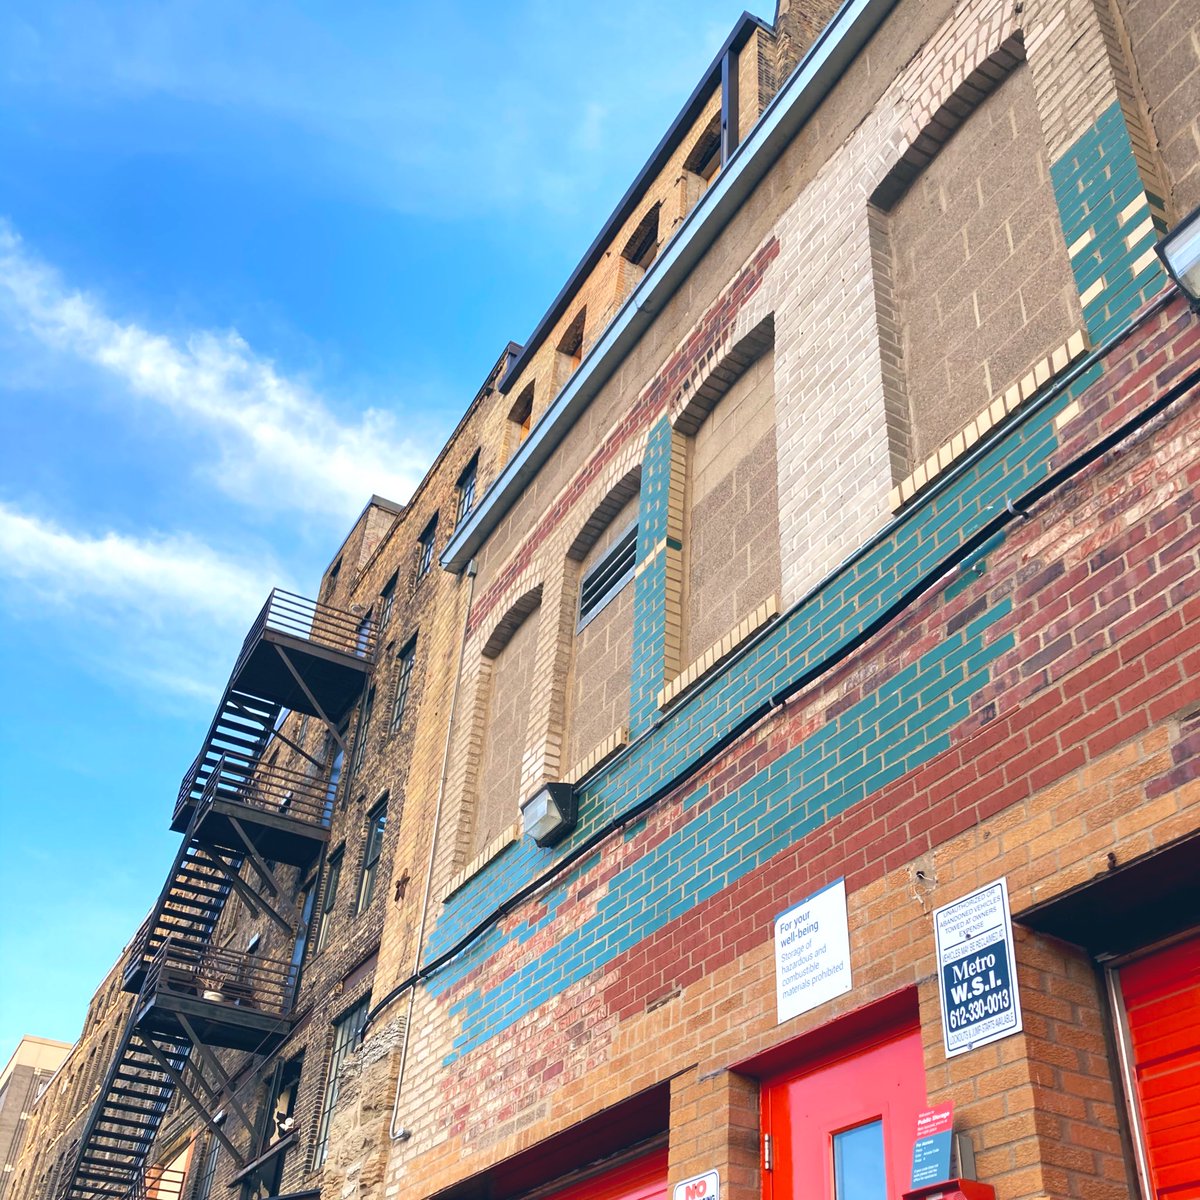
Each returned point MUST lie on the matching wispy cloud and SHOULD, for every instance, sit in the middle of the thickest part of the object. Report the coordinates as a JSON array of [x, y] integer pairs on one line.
[[169, 606], [155, 576], [278, 443]]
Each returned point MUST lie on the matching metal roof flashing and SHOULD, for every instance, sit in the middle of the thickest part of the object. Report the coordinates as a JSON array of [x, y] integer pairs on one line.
[[823, 63]]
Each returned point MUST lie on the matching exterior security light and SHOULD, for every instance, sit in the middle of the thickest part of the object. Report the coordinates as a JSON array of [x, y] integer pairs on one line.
[[549, 814], [1180, 253]]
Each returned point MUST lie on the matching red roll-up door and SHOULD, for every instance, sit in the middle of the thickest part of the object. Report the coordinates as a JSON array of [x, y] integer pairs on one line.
[[1161, 994], [643, 1179]]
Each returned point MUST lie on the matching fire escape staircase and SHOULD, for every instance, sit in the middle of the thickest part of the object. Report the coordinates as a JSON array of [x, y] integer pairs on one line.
[[241, 815]]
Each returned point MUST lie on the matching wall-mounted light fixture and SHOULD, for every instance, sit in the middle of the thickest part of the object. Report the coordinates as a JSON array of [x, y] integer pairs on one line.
[[549, 814], [1180, 254]]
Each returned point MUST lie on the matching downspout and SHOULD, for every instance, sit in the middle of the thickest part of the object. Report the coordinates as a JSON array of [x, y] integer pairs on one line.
[[404, 1134]]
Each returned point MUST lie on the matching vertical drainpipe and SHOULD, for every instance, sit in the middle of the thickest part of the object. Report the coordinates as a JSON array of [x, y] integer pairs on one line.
[[729, 105], [394, 1133]]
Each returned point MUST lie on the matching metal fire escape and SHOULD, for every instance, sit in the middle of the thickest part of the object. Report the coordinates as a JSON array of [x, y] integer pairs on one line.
[[240, 816]]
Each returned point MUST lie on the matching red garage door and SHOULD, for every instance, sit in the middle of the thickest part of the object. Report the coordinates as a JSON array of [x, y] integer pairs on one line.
[[1161, 994], [643, 1179]]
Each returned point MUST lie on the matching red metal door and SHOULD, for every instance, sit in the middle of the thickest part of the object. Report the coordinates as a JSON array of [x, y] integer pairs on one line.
[[843, 1128], [1161, 994]]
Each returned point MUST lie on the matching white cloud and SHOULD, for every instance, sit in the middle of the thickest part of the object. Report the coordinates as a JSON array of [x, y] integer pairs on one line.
[[278, 444], [165, 611], [160, 578]]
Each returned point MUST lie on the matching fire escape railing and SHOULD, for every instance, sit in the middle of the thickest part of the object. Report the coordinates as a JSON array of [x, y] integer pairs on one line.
[[235, 811], [233, 978], [269, 788]]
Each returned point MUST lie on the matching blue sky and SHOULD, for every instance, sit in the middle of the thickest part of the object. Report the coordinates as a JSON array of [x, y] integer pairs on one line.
[[254, 262]]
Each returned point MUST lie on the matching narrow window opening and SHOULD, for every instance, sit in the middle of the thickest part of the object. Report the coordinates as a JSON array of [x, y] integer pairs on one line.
[[466, 490], [346, 1033], [705, 157], [372, 852], [642, 247], [570, 349], [403, 680], [520, 416], [360, 741], [333, 877], [387, 599], [425, 548]]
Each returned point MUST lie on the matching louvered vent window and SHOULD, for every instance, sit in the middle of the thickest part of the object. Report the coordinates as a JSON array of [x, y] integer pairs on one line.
[[608, 576]]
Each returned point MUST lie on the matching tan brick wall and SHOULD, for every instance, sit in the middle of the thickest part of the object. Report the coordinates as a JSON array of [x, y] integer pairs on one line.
[[1164, 36], [982, 281], [598, 693], [497, 798], [731, 535]]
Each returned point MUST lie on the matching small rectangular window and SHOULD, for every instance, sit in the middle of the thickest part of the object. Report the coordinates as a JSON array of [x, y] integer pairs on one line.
[[608, 576], [387, 599], [425, 548], [466, 491], [403, 678], [346, 1032], [333, 877], [372, 851]]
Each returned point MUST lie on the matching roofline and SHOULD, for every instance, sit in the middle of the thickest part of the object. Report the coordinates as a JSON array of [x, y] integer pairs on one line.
[[850, 28], [746, 24]]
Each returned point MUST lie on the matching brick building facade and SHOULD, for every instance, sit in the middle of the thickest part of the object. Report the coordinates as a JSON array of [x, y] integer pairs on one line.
[[22, 1081], [834, 534]]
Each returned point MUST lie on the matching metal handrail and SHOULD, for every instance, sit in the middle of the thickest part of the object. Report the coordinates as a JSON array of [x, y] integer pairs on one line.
[[269, 788], [223, 976]]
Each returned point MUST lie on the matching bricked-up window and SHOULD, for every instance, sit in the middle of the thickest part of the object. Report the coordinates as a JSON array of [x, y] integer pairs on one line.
[[466, 490], [387, 599], [425, 547], [360, 737], [508, 664], [731, 522], [608, 576], [346, 1032], [372, 851], [333, 877], [404, 669], [980, 285]]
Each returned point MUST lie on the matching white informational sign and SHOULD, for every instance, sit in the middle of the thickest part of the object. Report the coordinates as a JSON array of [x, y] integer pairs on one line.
[[812, 952], [977, 974], [699, 1187]]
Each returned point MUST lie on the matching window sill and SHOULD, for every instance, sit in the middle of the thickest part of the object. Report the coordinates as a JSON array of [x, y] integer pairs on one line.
[[492, 850], [617, 740], [1043, 372], [718, 652]]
